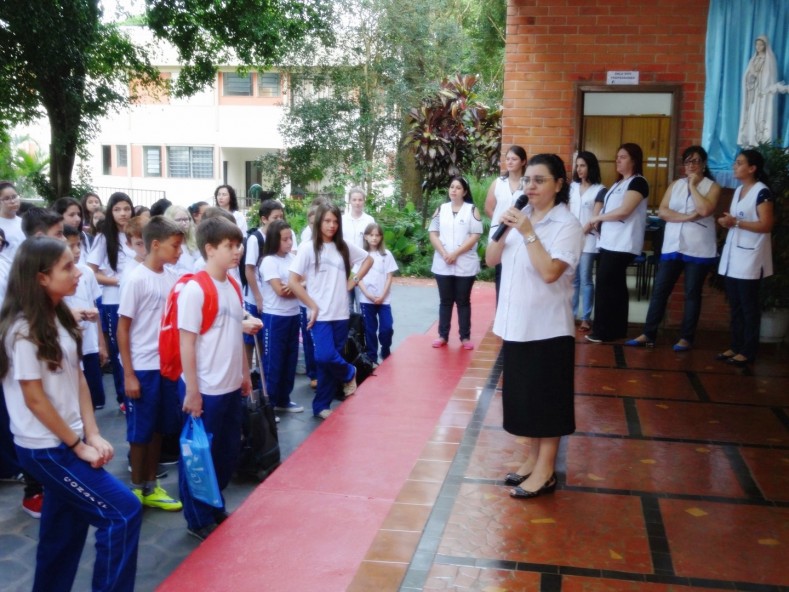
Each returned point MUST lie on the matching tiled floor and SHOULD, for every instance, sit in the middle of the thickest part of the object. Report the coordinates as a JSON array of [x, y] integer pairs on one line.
[[676, 480]]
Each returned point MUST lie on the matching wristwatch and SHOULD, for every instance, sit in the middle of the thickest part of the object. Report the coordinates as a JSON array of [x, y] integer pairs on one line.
[[530, 238], [355, 279]]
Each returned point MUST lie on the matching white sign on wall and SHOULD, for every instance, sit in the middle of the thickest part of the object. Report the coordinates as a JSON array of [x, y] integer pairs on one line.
[[622, 77]]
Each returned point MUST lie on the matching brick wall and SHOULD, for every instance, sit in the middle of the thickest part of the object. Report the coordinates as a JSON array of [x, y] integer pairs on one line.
[[554, 44]]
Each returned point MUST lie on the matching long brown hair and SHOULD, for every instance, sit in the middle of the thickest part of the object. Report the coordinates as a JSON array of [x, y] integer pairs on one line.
[[317, 236], [27, 299]]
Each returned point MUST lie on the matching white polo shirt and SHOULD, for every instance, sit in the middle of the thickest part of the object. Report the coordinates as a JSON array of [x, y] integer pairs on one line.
[[375, 280]]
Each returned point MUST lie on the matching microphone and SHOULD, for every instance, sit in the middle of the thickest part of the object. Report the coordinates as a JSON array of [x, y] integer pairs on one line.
[[520, 203]]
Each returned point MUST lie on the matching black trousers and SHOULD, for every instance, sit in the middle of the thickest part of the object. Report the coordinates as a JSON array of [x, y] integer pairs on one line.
[[454, 290], [611, 298]]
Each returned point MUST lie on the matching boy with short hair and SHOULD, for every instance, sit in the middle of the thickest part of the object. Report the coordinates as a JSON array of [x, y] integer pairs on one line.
[[83, 305], [215, 371], [151, 400], [42, 222]]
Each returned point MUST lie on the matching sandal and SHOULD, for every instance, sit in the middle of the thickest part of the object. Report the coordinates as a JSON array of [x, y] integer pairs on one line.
[[439, 342], [585, 326]]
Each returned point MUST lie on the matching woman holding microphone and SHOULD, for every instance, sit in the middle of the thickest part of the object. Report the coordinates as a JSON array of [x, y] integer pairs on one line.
[[538, 255]]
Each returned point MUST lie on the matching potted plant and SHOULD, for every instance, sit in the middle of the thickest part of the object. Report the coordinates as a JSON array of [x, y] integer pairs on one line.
[[775, 289]]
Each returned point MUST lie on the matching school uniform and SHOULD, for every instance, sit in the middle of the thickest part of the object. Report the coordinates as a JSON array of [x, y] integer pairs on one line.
[[620, 242], [280, 331], [306, 337], [536, 323], [745, 260], [378, 322], [12, 227], [88, 292], [218, 354], [582, 207], [110, 298], [327, 286], [689, 248], [455, 280], [143, 298], [76, 495]]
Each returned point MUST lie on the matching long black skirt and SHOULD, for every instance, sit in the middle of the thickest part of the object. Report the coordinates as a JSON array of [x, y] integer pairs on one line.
[[538, 387]]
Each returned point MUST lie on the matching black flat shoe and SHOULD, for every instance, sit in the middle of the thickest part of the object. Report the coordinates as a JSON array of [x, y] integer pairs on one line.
[[738, 363], [549, 487], [515, 479]]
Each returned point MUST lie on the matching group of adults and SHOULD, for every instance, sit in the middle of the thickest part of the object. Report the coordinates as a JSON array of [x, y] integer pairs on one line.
[[545, 251]]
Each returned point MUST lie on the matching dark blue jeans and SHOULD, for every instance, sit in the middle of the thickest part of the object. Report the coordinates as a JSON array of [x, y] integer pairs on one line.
[[743, 296], [281, 353], [77, 496], [378, 327], [667, 276]]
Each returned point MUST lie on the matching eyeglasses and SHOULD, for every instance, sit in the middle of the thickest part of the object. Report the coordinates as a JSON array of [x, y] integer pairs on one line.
[[690, 161], [9, 198], [181, 220]]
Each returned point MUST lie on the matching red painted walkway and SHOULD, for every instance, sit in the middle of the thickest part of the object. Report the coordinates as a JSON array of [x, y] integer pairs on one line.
[[311, 523]]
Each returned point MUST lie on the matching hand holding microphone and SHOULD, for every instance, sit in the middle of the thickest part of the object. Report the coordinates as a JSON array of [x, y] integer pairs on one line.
[[520, 203]]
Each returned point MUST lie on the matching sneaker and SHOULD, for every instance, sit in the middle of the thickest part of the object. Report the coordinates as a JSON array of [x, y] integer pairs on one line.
[[98, 407], [277, 419], [593, 338], [32, 505], [138, 493], [291, 408], [159, 498], [122, 408], [349, 387], [324, 414], [202, 533]]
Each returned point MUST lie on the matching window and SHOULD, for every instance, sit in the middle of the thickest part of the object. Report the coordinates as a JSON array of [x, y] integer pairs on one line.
[[106, 160], [152, 161], [190, 162], [268, 84], [236, 85], [121, 157]]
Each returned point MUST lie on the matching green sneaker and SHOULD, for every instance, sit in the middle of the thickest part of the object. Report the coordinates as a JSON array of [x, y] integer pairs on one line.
[[159, 498], [137, 492]]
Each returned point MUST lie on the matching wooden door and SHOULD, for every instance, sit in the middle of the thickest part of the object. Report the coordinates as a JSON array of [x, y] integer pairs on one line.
[[602, 135]]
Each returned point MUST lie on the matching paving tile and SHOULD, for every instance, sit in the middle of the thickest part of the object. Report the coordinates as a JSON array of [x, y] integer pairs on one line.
[[752, 390], [659, 467], [770, 469], [591, 354], [419, 492], [429, 470], [664, 358], [732, 542], [496, 454], [406, 517], [711, 421], [396, 546], [634, 383], [439, 451], [448, 434], [379, 576], [581, 584], [556, 529], [477, 579], [600, 415]]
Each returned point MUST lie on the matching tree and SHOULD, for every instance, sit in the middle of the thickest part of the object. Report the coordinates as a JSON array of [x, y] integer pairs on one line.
[[58, 58]]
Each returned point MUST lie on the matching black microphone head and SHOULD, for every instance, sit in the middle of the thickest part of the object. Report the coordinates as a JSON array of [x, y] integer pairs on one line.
[[521, 202]]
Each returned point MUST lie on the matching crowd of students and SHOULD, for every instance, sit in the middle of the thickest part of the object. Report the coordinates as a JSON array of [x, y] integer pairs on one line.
[[79, 292]]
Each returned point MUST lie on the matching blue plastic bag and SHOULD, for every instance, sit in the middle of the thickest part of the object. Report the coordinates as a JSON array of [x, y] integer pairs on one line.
[[200, 473]]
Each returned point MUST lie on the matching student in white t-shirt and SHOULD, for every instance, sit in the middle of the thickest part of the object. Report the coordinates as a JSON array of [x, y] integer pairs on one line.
[[54, 428], [280, 318], [215, 371], [10, 223], [181, 216], [375, 295], [326, 267], [306, 336], [151, 399], [107, 259], [83, 305]]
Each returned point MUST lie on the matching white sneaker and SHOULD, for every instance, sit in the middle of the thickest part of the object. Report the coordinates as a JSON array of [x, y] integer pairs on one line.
[[324, 414], [291, 408]]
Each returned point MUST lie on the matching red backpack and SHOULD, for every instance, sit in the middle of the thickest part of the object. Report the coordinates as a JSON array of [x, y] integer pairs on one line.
[[169, 336]]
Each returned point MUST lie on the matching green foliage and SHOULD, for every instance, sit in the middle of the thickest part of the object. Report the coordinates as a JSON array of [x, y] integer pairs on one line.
[[407, 238], [775, 289], [22, 164]]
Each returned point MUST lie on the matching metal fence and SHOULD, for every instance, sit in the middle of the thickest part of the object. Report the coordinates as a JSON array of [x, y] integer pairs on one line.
[[139, 197]]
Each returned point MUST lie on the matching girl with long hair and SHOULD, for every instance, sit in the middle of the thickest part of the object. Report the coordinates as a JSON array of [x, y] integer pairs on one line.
[[55, 432]]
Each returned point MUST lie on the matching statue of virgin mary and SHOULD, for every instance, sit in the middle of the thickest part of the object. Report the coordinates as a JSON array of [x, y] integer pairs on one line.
[[758, 114]]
